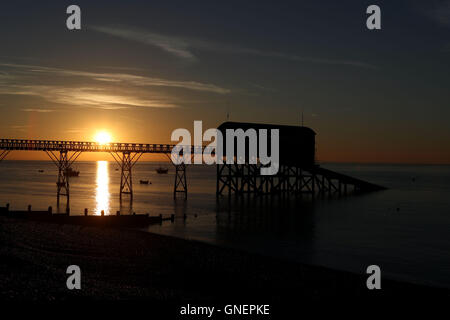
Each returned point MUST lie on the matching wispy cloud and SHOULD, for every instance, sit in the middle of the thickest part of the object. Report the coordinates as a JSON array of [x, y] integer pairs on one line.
[[261, 87], [135, 80], [20, 128], [173, 45], [82, 97], [93, 89], [38, 110], [278, 55], [76, 130], [183, 47]]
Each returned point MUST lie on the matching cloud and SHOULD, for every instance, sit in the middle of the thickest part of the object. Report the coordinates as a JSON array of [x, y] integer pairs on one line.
[[38, 110], [131, 79], [173, 45], [82, 97], [182, 47], [279, 55], [263, 88], [148, 81], [93, 89], [76, 130], [20, 128], [4, 76]]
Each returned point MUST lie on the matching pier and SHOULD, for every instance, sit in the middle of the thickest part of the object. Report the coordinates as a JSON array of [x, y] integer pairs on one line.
[[65, 153], [298, 171]]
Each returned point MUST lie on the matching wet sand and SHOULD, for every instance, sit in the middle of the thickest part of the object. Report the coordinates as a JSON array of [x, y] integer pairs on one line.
[[122, 264]]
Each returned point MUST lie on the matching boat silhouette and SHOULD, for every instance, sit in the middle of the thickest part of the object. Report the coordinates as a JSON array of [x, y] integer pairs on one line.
[[162, 170]]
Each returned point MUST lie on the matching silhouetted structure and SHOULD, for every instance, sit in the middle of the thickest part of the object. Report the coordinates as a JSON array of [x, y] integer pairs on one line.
[[297, 144], [64, 154], [298, 172]]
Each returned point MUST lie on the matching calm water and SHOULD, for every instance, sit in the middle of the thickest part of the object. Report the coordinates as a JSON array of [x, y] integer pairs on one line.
[[405, 230]]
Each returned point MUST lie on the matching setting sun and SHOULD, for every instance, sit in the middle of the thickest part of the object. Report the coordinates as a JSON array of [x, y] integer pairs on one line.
[[102, 137]]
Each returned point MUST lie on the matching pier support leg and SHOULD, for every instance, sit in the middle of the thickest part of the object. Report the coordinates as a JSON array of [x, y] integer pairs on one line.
[[3, 154], [223, 179], [218, 172], [63, 162], [126, 161], [126, 178], [63, 180], [180, 185]]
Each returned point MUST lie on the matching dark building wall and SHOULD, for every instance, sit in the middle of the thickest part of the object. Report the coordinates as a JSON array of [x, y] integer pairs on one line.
[[297, 144]]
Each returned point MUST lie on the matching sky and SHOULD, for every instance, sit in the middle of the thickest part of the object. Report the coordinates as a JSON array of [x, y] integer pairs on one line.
[[141, 69]]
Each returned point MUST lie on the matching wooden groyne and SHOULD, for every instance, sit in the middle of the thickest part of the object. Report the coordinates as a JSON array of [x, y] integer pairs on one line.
[[118, 220]]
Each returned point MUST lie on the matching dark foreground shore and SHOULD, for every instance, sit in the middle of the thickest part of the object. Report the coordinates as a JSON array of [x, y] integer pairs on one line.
[[128, 264]]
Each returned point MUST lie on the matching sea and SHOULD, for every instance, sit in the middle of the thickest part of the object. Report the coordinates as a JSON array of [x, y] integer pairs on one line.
[[405, 230]]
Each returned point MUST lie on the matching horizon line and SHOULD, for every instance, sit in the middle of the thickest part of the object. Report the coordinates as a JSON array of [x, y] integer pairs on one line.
[[321, 162]]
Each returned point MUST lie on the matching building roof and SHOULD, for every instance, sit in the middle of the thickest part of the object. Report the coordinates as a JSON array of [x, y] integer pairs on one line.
[[256, 126]]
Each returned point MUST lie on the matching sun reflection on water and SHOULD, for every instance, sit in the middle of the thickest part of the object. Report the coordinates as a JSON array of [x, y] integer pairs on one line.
[[102, 196]]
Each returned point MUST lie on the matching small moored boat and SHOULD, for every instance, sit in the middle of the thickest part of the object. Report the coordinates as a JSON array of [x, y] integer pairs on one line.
[[162, 170]]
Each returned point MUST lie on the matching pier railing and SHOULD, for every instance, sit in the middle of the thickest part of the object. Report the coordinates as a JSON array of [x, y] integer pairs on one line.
[[53, 145]]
